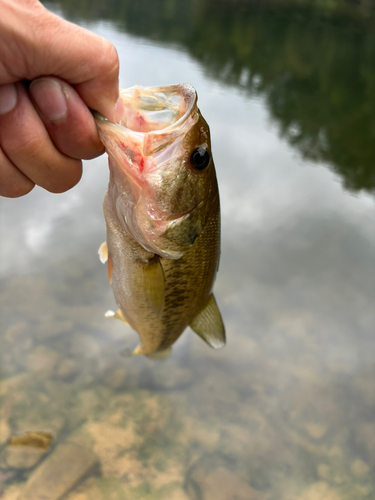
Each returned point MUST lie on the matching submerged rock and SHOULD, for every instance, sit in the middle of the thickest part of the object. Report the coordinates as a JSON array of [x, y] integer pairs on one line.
[[11, 493], [116, 377], [59, 473], [99, 489], [43, 359], [51, 327], [20, 457], [359, 468], [112, 444], [15, 331], [4, 477], [67, 369], [171, 377], [115, 489], [24, 451], [319, 491], [4, 431], [209, 479], [365, 438]]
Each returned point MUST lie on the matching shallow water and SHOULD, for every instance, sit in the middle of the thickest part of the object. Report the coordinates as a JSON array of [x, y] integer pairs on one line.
[[286, 410]]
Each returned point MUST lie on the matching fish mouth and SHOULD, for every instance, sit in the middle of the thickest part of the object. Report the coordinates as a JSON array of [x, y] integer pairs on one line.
[[157, 108], [153, 117]]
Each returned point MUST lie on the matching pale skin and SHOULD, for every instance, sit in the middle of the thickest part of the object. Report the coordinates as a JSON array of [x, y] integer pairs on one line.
[[52, 73]]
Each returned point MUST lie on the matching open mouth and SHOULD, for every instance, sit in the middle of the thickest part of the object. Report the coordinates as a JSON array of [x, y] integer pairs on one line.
[[153, 118], [153, 109], [157, 108]]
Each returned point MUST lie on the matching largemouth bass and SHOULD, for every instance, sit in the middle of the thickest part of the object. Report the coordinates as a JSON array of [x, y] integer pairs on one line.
[[162, 215]]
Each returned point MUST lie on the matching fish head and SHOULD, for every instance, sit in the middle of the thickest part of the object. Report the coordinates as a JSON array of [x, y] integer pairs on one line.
[[162, 175]]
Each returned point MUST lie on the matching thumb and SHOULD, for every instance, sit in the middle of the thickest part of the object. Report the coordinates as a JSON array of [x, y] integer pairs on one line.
[[87, 61], [41, 43]]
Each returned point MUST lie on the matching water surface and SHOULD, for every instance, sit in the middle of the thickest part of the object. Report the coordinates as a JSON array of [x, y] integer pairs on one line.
[[286, 410]]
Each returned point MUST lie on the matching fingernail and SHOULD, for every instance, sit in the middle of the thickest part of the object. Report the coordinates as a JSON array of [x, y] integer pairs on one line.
[[8, 98], [49, 97]]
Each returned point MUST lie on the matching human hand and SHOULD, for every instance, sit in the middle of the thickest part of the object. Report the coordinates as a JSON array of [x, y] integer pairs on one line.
[[51, 73]]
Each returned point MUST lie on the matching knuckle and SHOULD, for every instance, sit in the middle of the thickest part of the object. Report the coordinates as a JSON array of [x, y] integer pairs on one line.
[[111, 53], [48, 167], [31, 147], [69, 174], [109, 59], [13, 183], [46, 24]]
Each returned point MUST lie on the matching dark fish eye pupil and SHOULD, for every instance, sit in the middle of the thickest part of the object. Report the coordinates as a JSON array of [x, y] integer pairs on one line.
[[200, 158]]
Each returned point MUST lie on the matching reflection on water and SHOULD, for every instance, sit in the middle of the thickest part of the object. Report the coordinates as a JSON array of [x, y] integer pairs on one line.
[[315, 67], [286, 410]]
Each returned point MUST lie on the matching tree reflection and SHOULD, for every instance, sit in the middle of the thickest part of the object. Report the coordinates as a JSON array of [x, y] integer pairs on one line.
[[316, 67]]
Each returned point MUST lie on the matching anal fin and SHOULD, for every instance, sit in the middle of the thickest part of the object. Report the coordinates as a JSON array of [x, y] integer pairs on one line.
[[117, 315], [208, 324], [158, 355]]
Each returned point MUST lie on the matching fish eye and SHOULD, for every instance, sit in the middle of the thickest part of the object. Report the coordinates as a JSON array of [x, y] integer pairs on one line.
[[200, 158]]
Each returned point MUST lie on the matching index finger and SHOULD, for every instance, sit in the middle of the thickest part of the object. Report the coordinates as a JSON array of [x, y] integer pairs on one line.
[[49, 45]]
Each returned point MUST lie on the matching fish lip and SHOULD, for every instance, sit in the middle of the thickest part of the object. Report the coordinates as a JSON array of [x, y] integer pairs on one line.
[[153, 139], [187, 91]]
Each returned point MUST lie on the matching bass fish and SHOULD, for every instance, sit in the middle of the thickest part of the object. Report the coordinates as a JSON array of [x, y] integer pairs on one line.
[[162, 215]]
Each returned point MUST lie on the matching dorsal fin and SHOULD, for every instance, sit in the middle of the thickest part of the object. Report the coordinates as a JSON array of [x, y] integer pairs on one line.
[[209, 325]]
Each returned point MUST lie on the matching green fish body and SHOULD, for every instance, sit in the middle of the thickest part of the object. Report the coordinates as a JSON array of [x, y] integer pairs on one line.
[[162, 215]]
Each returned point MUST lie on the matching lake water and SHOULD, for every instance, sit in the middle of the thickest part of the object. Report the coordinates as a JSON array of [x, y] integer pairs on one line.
[[286, 411]]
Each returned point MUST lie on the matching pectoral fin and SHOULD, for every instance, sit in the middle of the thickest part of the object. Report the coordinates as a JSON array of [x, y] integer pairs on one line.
[[209, 325], [105, 257], [103, 252], [154, 284], [117, 315]]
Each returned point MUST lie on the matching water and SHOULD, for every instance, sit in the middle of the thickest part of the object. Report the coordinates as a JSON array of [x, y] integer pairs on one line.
[[286, 410]]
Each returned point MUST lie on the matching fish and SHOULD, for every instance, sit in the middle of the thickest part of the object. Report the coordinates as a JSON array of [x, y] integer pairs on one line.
[[162, 213]]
